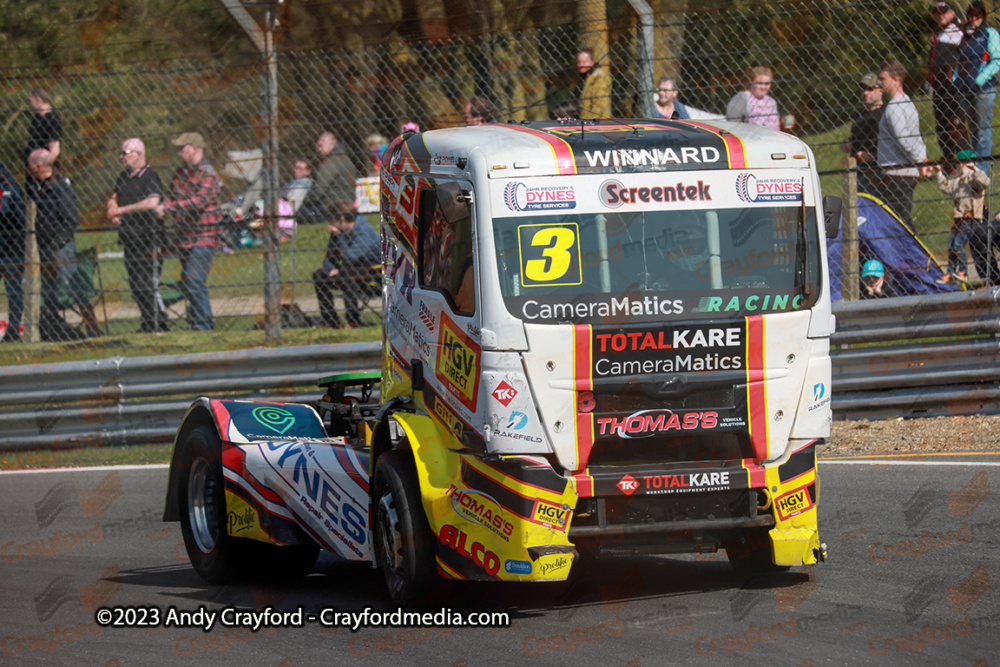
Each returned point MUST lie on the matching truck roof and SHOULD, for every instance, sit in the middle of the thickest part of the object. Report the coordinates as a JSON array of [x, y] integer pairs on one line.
[[550, 148]]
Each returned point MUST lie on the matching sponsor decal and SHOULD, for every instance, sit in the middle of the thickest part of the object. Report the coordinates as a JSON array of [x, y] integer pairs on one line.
[[624, 157], [685, 483], [819, 390], [554, 565], [519, 197], [752, 190], [504, 393], [552, 515], [613, 193], [239, 522], [481, 508], [549, 254], [793, 502], [277, 419], [603, 307], [467, 548], [458, 363], [517, 566], [820, 399], [752, 303], [650, 422], [402, 328], [517, 421], [426, 316], [681, 339], [628, 485], [449, 418], [645, 351]]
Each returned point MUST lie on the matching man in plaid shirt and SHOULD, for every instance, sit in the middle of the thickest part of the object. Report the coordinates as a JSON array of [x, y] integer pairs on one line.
[[194, 199]]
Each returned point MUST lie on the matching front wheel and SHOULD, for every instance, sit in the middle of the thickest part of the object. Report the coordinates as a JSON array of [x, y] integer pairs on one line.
[[402, 537]]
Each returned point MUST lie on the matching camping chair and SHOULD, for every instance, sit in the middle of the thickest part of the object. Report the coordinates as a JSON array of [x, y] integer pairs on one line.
[[89, 270], [173, 294], [367, 277]]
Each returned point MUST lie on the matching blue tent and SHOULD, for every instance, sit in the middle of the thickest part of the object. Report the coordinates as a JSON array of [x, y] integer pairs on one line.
[[910, 267]]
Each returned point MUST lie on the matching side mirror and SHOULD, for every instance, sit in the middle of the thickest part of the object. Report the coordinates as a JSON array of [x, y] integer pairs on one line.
[[832, 207], [453, 202]]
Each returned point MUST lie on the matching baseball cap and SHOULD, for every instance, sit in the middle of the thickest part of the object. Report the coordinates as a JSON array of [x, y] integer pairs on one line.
[[873, 269], [869, 80], [192, 138], [940, 7], [966, 155]]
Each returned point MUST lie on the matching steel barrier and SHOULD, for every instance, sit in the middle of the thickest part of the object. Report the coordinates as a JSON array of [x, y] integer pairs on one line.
[[889, 360]]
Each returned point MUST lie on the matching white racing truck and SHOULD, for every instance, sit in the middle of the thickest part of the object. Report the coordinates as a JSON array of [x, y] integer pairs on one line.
[[608, 337]]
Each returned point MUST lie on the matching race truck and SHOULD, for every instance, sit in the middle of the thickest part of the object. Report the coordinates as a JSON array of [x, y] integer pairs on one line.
[[598, 337]]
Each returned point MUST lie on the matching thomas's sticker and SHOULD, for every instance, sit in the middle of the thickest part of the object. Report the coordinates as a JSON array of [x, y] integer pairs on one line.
[[458, 363]]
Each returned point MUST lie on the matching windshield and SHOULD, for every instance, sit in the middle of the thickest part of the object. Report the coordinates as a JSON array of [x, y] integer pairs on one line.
[[645, 264]]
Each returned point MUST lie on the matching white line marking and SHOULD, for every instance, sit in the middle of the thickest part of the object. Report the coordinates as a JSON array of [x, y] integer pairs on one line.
[[151, 466], [885, 462]]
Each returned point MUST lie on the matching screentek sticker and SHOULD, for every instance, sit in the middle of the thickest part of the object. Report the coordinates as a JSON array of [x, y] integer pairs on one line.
[[793, 502], [458, 363], [550, 254]]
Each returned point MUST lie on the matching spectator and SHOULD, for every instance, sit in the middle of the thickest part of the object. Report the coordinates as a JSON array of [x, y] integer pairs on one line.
[[55, 225], [980, 62], [942, 71], [568, 110], [333, 180], [294, 191], [12, 250], [755, 105], [902, 155], [874, 283], [479, 111], [862, 142], [593, 91], [667, 104], [353, 247], [141, 232], [968, 188], [409, 126], [46, 129], [194, 200], [376, 146]]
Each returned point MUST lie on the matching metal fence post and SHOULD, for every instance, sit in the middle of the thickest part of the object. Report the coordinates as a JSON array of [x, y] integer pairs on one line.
[[32, 289], [849, 288]]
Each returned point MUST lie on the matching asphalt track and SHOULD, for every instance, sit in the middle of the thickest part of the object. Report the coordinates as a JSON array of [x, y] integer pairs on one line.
[[912, 578]]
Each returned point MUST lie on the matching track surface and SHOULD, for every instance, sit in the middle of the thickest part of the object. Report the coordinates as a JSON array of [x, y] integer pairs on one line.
[[912, 577]]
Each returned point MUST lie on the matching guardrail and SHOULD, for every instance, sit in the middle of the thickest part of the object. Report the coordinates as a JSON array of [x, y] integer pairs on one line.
[[887, 361]]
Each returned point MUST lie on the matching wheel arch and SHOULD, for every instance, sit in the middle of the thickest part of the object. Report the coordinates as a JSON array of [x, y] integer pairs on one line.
[[199, 414]]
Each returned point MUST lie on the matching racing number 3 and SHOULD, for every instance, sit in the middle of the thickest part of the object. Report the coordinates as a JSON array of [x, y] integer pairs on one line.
[[550, 254]]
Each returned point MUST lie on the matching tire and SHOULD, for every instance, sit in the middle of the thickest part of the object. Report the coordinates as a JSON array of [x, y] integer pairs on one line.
[[754, 555], [217, 557], [401, 535]]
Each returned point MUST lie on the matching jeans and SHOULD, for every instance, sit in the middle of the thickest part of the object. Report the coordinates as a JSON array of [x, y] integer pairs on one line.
[[897, 194], [980, 116], [196, 264], [12, 272], [961, 230], [143, 265]]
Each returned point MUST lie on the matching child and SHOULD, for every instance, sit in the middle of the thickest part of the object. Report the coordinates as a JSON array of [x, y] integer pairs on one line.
[[968, 188]]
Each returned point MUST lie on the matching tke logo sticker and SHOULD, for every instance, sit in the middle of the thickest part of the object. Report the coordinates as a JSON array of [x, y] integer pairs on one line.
[[504, 393]]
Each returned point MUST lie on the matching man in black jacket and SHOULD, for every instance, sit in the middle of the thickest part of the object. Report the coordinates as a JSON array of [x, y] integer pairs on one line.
[[11, 250], [55, 226]]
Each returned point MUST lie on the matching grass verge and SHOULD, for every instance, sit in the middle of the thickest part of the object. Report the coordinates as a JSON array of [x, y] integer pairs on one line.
[[86, 456]]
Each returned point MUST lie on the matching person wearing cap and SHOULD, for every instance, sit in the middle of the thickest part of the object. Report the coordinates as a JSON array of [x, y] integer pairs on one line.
[[980, 63], [354, 246], [333, 180], [873, 281], [141, 233], [902, 155], [862, 142], [968, 189], [194, 201], [942, 73]]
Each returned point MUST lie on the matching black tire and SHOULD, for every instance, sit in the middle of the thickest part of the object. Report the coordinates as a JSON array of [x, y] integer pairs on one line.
[[217, 557], [754, 555], [401, 535]]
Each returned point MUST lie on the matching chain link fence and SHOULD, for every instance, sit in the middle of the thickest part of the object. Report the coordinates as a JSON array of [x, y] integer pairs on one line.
[[816, 51]]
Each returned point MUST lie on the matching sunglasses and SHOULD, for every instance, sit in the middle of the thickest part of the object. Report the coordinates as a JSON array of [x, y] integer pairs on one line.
[[868, 90], [124, 153], [667, 90]]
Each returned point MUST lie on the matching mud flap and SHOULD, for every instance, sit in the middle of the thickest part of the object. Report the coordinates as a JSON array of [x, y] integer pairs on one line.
[[794, 493]]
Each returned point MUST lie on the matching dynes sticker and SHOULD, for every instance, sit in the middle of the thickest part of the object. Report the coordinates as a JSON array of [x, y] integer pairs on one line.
[[458, 363], [481, 508], [519, 197], [668, 350], [752, 190], [317, 493], [680, 483]]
